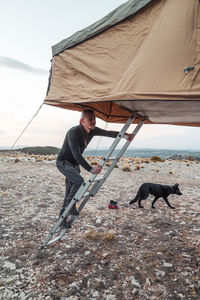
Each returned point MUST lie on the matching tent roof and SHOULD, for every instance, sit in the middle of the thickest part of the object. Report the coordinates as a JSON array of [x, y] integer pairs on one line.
[[122, 12], [143, 59]]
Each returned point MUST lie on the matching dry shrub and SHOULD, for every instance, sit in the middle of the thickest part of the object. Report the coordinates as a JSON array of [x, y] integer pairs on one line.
[[171, 172], [137, 168], [89, 157], [146, 161], [156, 170], [51, 157], [4, 193], [17, 160], [95, 235], [188, 164], [190, 158], [108, 163], [156, 158], [126, 168], [39, 159], [116, 166], [94, 162], [109, 236]]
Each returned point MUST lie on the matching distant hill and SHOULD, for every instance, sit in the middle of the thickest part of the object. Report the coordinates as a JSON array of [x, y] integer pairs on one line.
[[47, 150]]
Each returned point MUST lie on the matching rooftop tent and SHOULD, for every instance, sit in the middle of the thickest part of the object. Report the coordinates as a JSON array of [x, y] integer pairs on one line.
[[143, 59]]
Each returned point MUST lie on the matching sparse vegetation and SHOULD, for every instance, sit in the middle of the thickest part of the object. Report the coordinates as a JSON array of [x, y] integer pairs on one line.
[[126, 168], [95, 235], [156, 158], [137, 168]]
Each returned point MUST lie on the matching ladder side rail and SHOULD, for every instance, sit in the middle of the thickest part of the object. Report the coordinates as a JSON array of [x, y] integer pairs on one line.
[[117, 140], [98, 184]]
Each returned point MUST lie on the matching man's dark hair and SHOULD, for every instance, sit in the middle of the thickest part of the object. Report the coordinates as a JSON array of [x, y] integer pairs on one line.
[[85, 112]]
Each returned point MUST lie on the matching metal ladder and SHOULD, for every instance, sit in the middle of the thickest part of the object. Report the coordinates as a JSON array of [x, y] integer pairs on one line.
[[84, 193]]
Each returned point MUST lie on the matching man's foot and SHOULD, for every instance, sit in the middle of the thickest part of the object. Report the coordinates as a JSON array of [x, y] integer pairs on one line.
[[73, 211], [66, 224]]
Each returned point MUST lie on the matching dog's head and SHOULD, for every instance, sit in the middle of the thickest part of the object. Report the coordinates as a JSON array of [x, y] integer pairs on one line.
[[175, 189]]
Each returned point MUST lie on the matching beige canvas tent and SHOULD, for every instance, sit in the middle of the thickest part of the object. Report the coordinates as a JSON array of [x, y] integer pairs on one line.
[[143, 59]]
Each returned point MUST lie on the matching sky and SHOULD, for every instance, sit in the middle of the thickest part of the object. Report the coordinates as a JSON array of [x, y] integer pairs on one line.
[[28, 30]]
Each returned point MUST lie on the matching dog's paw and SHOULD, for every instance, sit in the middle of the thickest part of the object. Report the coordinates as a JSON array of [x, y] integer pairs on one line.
[[172, 207], [131, 202]]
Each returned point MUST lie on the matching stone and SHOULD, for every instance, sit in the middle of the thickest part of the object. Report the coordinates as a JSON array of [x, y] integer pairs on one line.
[[98, 220], [134, 291], [167, 265], [9, 265], [160, 274], [110, 297], [135, 282]]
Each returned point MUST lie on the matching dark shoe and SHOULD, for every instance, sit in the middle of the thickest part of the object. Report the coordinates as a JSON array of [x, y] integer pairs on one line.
[[73, 211], [66, 224]]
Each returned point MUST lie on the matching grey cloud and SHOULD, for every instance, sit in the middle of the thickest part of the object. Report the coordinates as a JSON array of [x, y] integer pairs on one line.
[[12, 63]]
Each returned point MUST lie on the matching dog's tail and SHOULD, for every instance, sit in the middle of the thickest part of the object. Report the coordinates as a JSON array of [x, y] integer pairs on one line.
[[135, 199]]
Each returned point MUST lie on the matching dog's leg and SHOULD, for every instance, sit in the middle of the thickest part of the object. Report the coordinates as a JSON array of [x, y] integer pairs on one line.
[[167, 202], [139, 202], [154, 201]]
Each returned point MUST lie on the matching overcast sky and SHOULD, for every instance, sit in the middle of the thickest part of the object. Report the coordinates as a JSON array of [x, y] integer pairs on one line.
[[28, 30]]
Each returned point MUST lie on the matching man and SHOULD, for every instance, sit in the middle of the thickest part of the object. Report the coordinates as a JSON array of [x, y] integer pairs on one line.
[[70, 155]]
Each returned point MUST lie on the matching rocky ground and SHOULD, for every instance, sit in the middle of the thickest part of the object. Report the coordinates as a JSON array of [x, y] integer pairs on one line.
[[130, 253]]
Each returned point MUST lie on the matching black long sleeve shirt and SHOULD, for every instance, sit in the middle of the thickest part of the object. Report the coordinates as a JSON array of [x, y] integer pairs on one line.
[[76, 140]]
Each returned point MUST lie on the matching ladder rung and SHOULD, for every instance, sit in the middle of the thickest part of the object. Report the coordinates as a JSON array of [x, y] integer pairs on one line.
[[111, 158], [86, 194], [98, 179]]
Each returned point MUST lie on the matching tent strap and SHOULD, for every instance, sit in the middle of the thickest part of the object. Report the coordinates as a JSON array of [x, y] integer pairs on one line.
[[26, 126]]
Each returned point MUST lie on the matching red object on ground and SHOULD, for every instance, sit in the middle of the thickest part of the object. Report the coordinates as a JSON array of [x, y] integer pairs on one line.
[[113, 206]]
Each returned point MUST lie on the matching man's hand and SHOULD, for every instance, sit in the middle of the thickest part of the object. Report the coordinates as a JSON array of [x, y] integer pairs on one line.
[[129, 136], [96, 169]]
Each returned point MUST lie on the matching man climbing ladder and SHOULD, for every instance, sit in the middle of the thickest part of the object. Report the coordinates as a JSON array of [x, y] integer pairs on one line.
[[70, 156], [90, 188]]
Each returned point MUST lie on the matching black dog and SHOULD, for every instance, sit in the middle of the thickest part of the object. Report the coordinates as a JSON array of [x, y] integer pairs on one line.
[[158, 190]]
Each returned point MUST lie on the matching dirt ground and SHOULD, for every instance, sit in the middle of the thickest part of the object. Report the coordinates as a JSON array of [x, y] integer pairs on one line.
[[129, 253]]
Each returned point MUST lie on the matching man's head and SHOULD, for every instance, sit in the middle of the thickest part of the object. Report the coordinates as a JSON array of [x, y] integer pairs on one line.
[[88, 120]]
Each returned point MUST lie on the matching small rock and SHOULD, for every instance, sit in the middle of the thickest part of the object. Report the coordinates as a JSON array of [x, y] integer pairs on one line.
[[167, 265], [110, 297], [73, 285], [135, 282], [134, 291], [87, 252], [95, 293], [105, 254], [9, 265], [98, 220], [160, 274]]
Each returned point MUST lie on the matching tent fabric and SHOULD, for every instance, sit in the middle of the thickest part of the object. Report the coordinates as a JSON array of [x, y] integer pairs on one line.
[[144, 62], [119, 14]]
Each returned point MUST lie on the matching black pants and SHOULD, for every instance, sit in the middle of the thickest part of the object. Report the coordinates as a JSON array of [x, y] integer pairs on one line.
[[73, 180]]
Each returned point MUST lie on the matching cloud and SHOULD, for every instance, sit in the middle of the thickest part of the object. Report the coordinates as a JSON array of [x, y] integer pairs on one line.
[[15, 64]]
